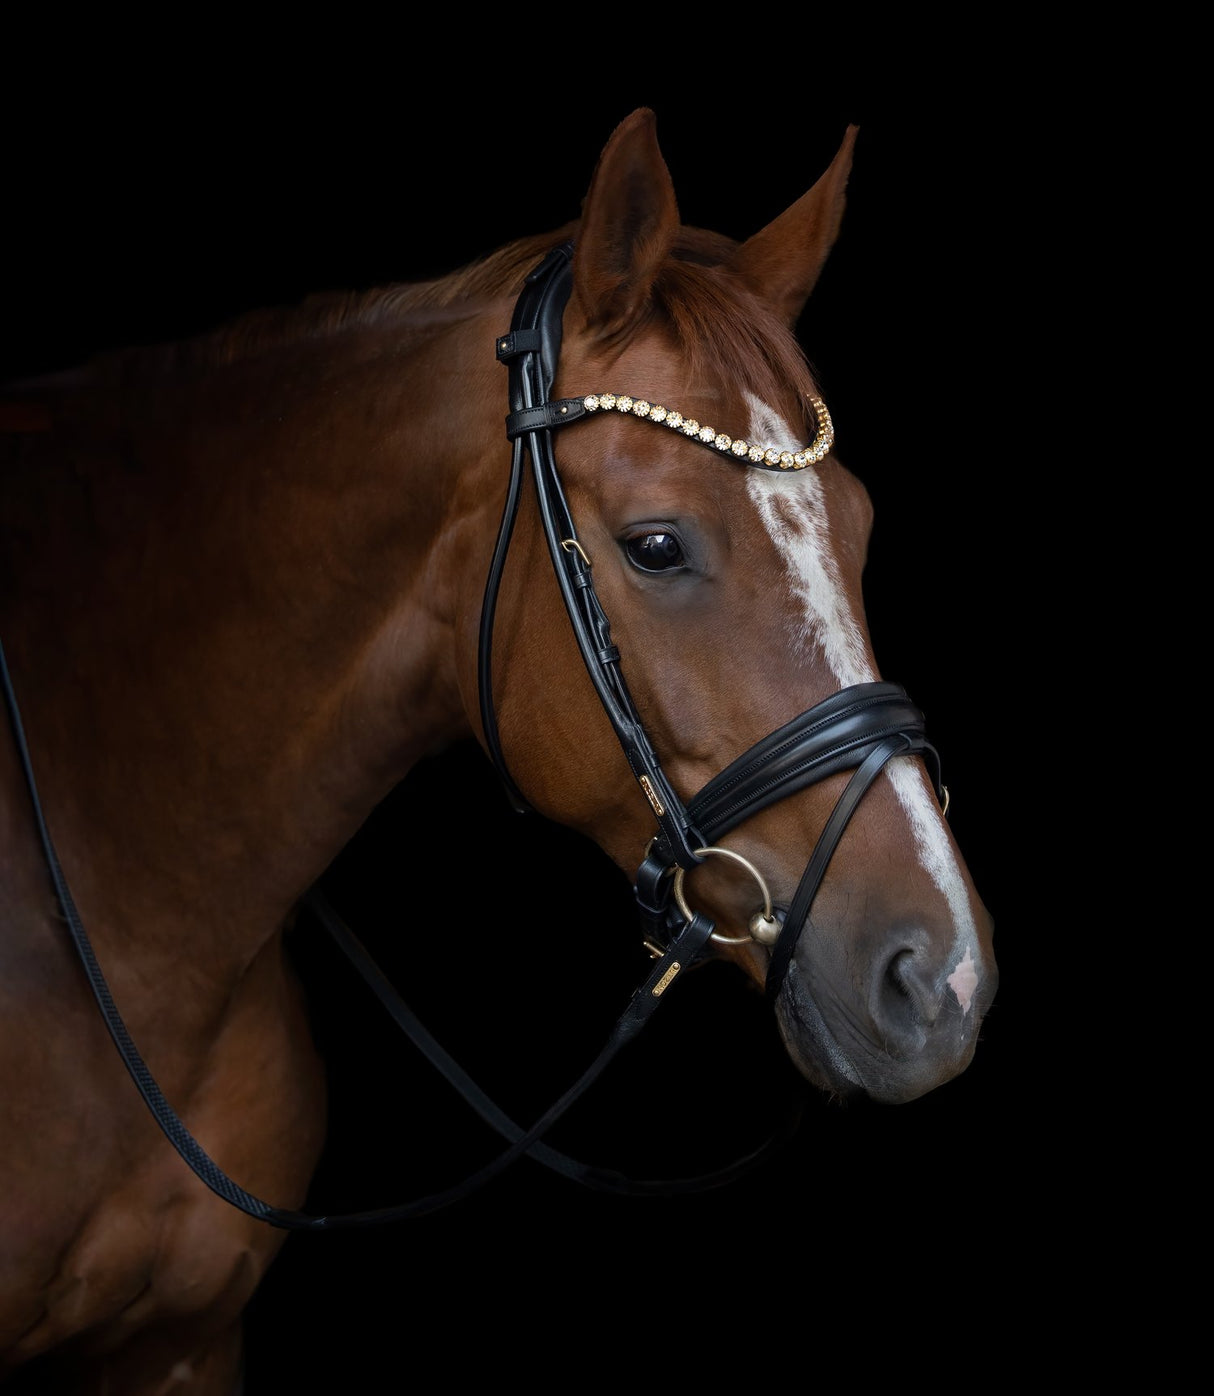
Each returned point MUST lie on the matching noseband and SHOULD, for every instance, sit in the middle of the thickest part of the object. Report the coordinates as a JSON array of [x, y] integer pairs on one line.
[[858, 728]]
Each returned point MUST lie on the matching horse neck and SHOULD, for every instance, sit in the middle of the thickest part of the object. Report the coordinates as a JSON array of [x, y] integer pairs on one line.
[[254, 578]]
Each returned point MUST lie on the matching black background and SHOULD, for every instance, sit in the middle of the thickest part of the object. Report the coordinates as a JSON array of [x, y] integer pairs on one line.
[[148, 201]]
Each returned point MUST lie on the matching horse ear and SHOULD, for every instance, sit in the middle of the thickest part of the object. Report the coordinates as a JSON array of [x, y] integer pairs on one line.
[[629, 220], [782, 263]]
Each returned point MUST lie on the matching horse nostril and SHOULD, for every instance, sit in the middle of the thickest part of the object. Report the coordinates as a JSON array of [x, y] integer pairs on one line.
[[908, 1001]]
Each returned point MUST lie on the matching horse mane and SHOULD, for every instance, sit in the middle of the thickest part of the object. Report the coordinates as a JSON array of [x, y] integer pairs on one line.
[[714, 321], [329, 313]]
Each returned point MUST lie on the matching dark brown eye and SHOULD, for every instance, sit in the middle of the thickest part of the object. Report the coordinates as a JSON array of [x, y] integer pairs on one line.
[[655, 552]]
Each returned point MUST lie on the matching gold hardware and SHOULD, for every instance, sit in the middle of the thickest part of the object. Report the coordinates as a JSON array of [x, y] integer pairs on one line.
[[764, 929], [664, 983], [652, 795], [944, 806], [758, 922], [568, 543]]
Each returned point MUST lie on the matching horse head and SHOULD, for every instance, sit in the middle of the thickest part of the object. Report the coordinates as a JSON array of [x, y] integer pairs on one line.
[[725, 543]]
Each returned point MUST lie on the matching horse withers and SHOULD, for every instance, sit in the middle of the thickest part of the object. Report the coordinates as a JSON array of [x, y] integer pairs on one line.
[[248, 581]]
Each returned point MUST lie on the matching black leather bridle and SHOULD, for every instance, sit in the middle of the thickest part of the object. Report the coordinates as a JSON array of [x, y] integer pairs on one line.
[[858, 728]]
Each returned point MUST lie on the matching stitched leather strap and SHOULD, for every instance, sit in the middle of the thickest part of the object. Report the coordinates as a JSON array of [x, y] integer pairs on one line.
[[838, 734], [798, 912], [530, 350], [544, 418], [833, 736], [599, 1179]]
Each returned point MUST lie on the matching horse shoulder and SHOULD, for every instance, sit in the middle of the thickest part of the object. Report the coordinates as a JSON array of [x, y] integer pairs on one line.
[[107, 1233]]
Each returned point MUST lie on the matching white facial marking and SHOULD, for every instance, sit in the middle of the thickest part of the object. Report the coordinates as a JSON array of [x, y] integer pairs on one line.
[[936, 855], [963, 981], [792, 506]]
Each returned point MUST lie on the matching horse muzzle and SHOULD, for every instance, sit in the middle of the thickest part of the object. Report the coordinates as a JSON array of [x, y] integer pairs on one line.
[[891, 1016]]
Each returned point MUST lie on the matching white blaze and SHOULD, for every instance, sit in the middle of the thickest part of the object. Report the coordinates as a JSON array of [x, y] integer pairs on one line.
[[792, 506]]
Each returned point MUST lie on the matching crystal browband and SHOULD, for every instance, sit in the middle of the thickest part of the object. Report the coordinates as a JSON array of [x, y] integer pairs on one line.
[[768, 457]]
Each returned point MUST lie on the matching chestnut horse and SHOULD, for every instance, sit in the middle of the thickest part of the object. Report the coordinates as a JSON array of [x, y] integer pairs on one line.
[[248, 581]]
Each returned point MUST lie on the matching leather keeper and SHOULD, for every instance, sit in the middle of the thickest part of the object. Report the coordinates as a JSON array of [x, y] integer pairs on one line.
[[548, 415]]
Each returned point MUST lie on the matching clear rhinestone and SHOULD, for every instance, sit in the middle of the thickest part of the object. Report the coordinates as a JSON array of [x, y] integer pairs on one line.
[[817, 449]]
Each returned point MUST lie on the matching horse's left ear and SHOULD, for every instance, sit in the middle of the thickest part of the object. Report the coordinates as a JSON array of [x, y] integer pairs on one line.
[[629, 219], [782, 263]]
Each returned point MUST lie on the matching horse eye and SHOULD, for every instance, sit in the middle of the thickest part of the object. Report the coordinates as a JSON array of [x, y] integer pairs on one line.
[[655, 552]]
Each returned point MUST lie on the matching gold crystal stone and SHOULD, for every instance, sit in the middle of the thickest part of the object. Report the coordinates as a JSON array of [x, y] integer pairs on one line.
[[769, 456]]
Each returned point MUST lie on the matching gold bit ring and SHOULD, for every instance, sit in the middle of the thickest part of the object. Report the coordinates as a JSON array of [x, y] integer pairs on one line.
[[763, 925]]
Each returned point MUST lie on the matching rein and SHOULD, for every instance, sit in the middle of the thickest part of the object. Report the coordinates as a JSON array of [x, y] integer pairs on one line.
[[860, 727], [644, 1001]]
